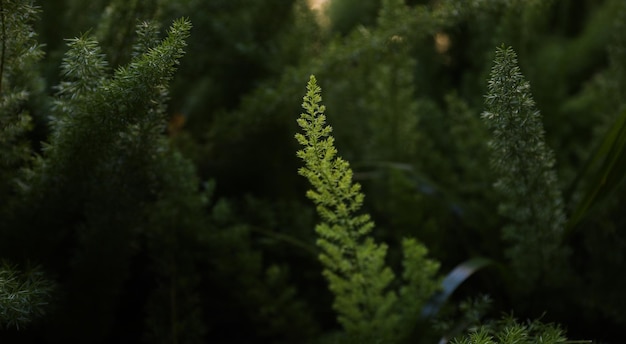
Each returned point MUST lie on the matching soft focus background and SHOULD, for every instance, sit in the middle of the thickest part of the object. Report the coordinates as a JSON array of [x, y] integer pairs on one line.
[[404, 92]]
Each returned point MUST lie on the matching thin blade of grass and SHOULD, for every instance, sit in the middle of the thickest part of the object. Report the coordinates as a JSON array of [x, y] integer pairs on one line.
[[452, 281], [604, 171]]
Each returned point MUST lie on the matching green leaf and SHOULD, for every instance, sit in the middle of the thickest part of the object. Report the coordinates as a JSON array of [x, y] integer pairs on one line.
[[604, 171]]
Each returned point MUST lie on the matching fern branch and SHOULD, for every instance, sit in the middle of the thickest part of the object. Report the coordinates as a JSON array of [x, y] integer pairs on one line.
[[353, 264], [527, 183], [23, 296]]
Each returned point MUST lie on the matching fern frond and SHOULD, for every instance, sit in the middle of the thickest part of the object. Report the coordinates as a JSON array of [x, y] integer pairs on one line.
[[531, 201], [23, 296], [96, 111], [354, 264], [510, 330]]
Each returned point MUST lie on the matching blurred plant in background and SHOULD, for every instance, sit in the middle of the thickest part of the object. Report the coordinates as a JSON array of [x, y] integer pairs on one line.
[[164, 205]]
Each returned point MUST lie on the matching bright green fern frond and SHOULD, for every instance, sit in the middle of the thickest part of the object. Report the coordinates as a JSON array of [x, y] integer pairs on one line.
[[419, 274], [353, 264], [336, 196]]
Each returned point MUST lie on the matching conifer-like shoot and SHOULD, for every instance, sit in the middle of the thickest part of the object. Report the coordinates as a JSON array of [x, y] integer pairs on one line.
[[110, 172], [96, 112], [509, 330], [531, 201], [19, 55], [354, 263], [23, 296]]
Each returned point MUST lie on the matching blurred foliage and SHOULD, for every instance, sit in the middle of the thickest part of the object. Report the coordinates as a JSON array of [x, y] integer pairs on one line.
[[530, 198], [166, 207], [509, 330], [24, 296]]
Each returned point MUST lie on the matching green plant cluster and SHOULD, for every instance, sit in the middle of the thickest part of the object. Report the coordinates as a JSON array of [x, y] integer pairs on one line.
[[149, 190], [23, 296], [509, 330], [530, 197]]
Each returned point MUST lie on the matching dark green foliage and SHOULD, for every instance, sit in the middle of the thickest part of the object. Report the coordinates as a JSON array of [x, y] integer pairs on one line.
[[107, 172], [251, 291], [114, 208], [106, 152], [23, 296], [19, 86], [531, 201], [344, 15], [509, 330], [116, 27]]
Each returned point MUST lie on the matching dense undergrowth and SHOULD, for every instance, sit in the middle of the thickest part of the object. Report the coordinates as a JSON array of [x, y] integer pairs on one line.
[[463, 175]]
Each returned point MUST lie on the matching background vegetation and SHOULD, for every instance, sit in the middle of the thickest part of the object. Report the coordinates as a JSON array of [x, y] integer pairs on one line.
[[149, 187]]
